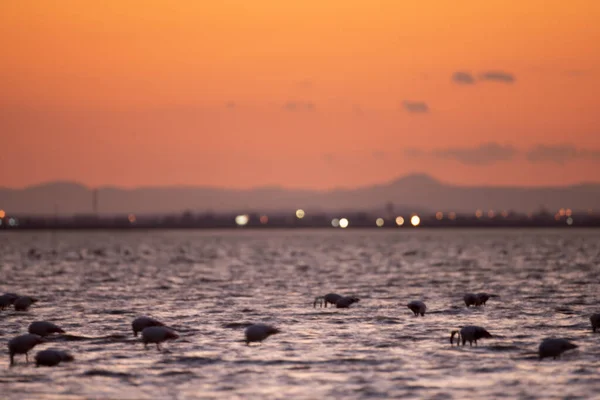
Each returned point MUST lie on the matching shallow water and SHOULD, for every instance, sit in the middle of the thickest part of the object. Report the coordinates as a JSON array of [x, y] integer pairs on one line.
[[209, 285]]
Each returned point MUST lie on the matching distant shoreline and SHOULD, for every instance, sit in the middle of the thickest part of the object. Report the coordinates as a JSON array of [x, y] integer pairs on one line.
[[319, 221]]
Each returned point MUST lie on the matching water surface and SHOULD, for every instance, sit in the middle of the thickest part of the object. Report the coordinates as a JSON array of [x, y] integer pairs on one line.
[[208, 285]]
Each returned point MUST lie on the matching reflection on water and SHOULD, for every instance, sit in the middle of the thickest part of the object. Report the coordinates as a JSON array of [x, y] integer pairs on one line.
[[209, 286]]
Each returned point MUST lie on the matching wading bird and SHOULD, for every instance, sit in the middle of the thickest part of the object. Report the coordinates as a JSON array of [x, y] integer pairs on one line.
[[259, 332], [469, 334], [50, 358], [7, 299], [328, 298], [24, 302], [417, 307], [471, 299], [44, 328], [140, 323], [346, 302], [157, 334], [22, 344], [334, 298], [554, 347]]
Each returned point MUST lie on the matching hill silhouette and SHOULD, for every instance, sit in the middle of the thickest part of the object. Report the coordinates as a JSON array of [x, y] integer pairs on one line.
[[412, 193]]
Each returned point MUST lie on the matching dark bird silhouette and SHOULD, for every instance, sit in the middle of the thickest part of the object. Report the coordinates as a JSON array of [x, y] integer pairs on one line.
[[44, 328], [157, 334], [417, 307], [24, 302], [471, 299], [328, 298], [346, 302], [259, 332], [50, 358], [334, 298], [469, 334], [22, 345], [140, 323], [7, 299], [554, 347]]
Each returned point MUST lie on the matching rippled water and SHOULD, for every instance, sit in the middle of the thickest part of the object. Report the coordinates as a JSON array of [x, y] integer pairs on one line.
[[209, 285]]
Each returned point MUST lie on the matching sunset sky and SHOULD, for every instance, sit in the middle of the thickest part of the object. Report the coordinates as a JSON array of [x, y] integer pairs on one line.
[[311, 93]]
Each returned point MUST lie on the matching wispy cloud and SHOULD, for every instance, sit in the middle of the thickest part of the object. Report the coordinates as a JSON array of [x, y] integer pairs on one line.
[[484, 154], [560, 154], [416, 107], [492, 152], [299, 106], [498, 76], [463, 78]]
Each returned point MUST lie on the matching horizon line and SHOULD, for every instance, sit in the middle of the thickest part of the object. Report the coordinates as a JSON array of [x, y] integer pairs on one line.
[[399, 178]]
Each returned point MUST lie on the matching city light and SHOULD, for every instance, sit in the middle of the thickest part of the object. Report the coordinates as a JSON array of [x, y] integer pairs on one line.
[[439, 215], [479, 213], [569, 221], [569, 212], [504, 214], [491, 214], [264, 219], [242, 220], [379, 222], [300, 213], [399, 221], [335, 222], [131, 218], [344, 223], [13, 222], [452, 215], [2, 214], [415, 220], [562, 212]]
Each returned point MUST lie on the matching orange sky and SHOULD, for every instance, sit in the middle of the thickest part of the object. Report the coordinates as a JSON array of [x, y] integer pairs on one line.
[[243, 93]]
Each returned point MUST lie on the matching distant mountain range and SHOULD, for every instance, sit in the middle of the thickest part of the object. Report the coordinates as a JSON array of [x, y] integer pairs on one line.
[[413, 193]]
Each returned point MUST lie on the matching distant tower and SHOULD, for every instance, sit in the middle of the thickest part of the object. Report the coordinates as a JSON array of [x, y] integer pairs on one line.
[[95, 201]]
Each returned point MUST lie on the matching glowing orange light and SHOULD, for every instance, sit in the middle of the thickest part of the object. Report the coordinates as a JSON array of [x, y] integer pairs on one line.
[[131, 218], [504, 213], [264, 219], [242, 220], [569, 212], [399, 221], [439, 215], [452, 215], [562, 212], [2, 214], [415, 220], [491, 214], [478, 213]]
